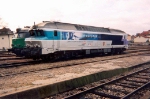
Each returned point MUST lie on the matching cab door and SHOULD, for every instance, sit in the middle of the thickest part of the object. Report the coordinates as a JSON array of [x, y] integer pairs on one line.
[[56, 40]]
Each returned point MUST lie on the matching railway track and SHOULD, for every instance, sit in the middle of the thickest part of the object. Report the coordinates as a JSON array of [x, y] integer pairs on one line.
[[8, 57], [12, 58], [132, 51], [61, 64], [8, 65], [30, 62], [123, 87]]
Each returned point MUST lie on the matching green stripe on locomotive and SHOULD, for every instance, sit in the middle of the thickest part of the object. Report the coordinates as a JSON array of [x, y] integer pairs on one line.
[[18, 42]]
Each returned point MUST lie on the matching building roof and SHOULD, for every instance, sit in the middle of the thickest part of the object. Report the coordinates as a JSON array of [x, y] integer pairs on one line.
[[128, 34], [144, 33], [142, 36], [5, 31]]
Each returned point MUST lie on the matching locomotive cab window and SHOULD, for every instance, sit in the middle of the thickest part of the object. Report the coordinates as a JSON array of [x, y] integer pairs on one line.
[[39, 33], [55, 33], [32, 33], [22, 34]]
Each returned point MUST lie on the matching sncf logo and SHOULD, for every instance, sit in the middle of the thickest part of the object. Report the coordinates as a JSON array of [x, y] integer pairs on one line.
[[84, 43], [103, 43]]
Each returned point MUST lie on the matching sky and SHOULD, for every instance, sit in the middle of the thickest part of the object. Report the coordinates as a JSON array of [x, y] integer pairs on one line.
[[131, 16]]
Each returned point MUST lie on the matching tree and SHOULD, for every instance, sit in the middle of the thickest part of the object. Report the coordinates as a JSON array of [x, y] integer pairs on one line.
[[2, 23]]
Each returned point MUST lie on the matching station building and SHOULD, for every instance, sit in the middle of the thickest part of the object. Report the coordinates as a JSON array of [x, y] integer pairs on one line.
[[6, 36]]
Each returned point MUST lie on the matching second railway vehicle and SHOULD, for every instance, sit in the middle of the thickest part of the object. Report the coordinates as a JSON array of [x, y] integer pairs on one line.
[[49, 40], [18, 42]]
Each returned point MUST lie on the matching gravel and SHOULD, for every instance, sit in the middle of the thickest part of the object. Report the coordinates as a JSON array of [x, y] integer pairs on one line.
[[50, 76]]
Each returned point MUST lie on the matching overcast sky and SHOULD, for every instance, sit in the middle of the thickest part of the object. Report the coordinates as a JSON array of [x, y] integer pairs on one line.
[[131, 16]]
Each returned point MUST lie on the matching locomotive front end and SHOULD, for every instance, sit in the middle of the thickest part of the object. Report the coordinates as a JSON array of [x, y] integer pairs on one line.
[[33, 47], [18, 43]]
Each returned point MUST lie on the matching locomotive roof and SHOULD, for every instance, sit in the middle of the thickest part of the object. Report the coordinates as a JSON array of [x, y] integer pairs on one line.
[[22, 30], [69, 26], [116, 31]]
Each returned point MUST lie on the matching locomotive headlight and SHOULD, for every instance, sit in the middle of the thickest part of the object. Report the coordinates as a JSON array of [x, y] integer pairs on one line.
[[36, 45], [27, 45]]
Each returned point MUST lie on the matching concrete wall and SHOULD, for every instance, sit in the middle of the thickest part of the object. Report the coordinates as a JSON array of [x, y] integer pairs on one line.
[[140, 39], [5, 41], [129, 37]]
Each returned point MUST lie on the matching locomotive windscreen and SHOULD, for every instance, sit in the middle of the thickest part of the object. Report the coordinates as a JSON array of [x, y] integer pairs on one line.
[[36, 33], [23, 34]]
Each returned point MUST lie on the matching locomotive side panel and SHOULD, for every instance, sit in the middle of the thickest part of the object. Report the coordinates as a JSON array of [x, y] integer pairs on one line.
[[79, 41]]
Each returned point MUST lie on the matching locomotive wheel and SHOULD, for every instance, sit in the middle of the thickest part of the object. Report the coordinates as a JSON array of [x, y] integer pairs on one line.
[[44, 58], [34, 58], [67, 56], [56, 57], [121, 51], [113, 52]]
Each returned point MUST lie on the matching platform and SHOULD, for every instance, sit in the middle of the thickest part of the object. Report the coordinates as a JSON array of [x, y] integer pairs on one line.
[[45, 83]]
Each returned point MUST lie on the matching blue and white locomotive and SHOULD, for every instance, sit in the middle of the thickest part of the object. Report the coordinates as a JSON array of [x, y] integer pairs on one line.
[[50, 40]]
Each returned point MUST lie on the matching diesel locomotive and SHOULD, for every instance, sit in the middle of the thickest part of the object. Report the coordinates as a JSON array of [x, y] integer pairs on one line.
[[51, 40], [18, 42]]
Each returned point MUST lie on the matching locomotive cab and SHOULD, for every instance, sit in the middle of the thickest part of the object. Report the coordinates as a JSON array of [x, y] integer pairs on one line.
[[41, 42], [18, 42], [41, 37]]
